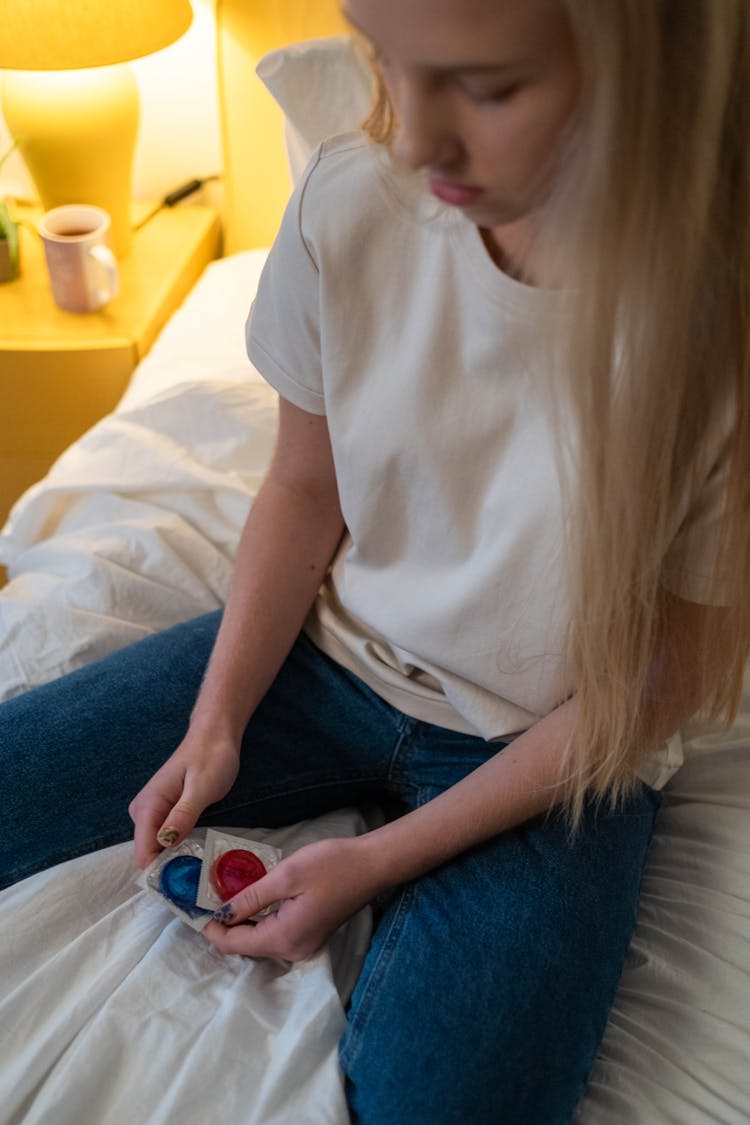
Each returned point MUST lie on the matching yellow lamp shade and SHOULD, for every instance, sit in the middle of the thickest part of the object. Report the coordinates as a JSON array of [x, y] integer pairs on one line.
[[76, 123], [70, 34]]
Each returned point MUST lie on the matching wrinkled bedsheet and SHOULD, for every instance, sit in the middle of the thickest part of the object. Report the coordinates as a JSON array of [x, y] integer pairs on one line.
[[113, 1009], [114, 1012], [136, 525]]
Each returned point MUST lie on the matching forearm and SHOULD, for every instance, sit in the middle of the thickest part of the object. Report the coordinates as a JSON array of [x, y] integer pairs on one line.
[[323, 884], [517, 783], [286, 547], [523, 779]]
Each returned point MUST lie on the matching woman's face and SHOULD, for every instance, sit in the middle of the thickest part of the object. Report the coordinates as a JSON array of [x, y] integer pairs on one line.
[[482, 91]]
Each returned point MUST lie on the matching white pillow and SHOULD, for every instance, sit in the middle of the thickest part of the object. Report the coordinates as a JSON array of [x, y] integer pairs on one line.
[[324, 87]]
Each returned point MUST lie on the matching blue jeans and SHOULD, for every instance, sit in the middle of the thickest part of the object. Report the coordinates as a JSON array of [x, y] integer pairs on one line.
[[488, 983]]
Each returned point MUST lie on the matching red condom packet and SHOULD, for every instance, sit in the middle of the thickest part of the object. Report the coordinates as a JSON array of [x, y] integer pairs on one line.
[[231, 863]]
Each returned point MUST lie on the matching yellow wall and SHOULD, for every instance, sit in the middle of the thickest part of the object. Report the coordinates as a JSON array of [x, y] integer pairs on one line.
[[257, 175]]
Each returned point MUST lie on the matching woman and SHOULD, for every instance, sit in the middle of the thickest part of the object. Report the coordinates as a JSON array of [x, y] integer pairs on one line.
[[500, 556]]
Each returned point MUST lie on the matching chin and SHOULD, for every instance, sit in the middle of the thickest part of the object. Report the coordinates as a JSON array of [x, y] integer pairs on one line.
[[488, 214]]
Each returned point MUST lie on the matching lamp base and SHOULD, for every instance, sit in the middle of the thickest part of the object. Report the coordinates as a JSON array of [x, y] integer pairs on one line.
[[76, 130]]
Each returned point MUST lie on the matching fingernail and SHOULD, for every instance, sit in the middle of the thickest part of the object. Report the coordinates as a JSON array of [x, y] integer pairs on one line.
[[168, 836], [225, 914]]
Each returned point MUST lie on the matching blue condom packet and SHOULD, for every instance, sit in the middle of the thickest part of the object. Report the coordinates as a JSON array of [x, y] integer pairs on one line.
[[173, 877]]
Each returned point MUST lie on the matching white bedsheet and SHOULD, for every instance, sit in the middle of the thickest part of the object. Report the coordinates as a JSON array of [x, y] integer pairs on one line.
[[677, 1046], [135, 528], [114, 1012]]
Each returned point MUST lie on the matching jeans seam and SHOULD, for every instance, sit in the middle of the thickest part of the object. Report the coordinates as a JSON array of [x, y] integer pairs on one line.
[[348, 1053], [354, 1034], [406, 726]]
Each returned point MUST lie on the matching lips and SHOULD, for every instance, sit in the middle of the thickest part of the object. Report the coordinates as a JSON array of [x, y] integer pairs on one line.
[[458, 195]]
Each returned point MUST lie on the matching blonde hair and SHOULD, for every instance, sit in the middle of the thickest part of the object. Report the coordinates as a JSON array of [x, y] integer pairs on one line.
[[654, 200]]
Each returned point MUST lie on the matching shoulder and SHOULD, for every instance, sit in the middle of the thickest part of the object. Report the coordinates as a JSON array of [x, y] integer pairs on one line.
[[341, 164], [350, 150], [352, 188]]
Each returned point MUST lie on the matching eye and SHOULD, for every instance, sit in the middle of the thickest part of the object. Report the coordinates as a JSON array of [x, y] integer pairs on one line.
[[489, 95]]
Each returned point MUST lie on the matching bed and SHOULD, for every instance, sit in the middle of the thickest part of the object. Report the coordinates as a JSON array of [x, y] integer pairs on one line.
[[112, 1010]]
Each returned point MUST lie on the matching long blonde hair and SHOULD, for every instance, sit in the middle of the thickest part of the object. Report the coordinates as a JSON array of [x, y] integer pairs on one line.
[[654, 200]]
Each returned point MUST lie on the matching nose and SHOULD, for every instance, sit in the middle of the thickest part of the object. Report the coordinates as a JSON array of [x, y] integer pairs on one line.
[[424, 136]]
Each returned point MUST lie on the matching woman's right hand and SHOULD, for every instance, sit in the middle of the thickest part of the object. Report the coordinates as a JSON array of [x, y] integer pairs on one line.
[[291, 535], [201, 770]]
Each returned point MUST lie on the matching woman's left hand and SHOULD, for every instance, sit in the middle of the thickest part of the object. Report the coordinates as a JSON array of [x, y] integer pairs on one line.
[[319, 887]]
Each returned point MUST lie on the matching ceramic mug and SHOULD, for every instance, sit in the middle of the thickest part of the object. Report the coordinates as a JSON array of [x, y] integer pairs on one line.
[[82, 268]]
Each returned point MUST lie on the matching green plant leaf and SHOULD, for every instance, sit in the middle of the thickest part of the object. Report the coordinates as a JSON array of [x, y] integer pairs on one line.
[[9, 234], [8, 152], [5, 221]]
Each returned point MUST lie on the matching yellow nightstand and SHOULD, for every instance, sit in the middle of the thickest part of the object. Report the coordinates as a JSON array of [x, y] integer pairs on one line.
[[61, 372]]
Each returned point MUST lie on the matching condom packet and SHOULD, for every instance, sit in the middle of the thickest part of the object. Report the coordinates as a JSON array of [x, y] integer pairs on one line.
[[173, 878], [231, 863]]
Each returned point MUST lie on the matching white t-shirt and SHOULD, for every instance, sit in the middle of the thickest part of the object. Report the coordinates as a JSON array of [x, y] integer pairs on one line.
[[382, 309]]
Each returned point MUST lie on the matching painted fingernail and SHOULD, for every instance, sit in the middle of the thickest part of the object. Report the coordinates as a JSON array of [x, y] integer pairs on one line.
[[168, 836], [225, 914]]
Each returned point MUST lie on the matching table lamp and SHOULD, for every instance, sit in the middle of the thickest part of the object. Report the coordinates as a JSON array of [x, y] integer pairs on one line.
[[73, 112]]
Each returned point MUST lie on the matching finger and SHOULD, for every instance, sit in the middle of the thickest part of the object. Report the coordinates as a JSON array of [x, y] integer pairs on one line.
[[181, 819], [261, 940], [147, 816]]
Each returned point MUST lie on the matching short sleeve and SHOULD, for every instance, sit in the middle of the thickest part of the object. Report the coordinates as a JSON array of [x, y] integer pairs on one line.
[[690, 567], [283, 329]]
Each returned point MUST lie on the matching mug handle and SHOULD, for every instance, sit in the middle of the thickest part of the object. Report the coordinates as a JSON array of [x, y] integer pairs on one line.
[[109, 284]]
